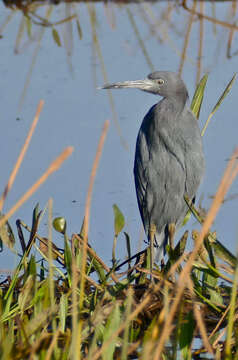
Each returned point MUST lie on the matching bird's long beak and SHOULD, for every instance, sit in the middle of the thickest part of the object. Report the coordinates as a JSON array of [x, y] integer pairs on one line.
[[144, 84]]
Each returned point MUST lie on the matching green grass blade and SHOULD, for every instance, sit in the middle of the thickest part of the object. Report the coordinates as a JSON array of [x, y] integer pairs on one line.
[[125, 343], [186, 335], [221, 251], [99, 269], [63, 312], [220, 100], [112, 325], [231, 317], [198, 96]]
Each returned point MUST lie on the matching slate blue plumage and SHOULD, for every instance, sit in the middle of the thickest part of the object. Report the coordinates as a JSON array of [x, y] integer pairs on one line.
[[169, 159]]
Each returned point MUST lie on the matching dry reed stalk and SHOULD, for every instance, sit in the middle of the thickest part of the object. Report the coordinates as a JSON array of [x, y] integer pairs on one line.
[[232, 31], [21, 155], [200, 322], [209, 18], [88, 205], [76, 341], [35, 346], [218, 325], [186, 39], [201, 37], [54, 166], [52, 345], [219, 338]]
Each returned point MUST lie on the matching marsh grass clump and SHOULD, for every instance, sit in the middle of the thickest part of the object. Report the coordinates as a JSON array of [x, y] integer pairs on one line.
[[121, 312]]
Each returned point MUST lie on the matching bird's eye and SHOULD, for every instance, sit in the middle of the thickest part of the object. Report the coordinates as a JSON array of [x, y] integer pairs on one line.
[[160, 81]]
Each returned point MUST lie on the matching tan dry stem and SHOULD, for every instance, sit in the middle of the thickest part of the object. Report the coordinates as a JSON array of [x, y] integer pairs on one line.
[[186, 39], [21, 155], [209, 18], [76, 341], [88, 203], [200, 322], [55, 165]]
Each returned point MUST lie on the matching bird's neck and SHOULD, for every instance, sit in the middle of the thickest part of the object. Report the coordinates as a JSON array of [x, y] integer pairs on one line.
[[177, 104]]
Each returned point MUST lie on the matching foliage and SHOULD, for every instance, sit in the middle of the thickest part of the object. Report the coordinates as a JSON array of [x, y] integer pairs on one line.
[[121, 316]]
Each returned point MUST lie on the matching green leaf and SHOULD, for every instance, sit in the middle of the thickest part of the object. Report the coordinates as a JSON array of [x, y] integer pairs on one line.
[[63, 311], [26, 293], [221, 251], [112, 325], [198, 96], [199, 293], [126, 336], [32, 266], [210, 252], [186, 219], [152, 328], [186, 334], [220, 100], [56, 37], [231, 316], [119, 221], [31, 269], [215, 297], [59, 224]]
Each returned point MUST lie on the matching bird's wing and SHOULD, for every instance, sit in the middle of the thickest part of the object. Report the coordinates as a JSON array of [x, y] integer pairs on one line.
[[159, 178], [194, 157], [140, 175]]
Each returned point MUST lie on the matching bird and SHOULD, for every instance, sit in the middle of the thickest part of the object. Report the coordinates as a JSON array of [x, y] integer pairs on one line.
[[169, 158]]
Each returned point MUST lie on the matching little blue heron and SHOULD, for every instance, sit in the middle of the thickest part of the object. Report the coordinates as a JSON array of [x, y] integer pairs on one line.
[[169, 159]]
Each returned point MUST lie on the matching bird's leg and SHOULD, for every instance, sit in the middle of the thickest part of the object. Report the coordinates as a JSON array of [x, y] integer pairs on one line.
[[152, 231], [171, 230]]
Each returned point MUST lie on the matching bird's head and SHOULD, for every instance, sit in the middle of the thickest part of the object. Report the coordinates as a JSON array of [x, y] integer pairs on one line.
[[164, 83]]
